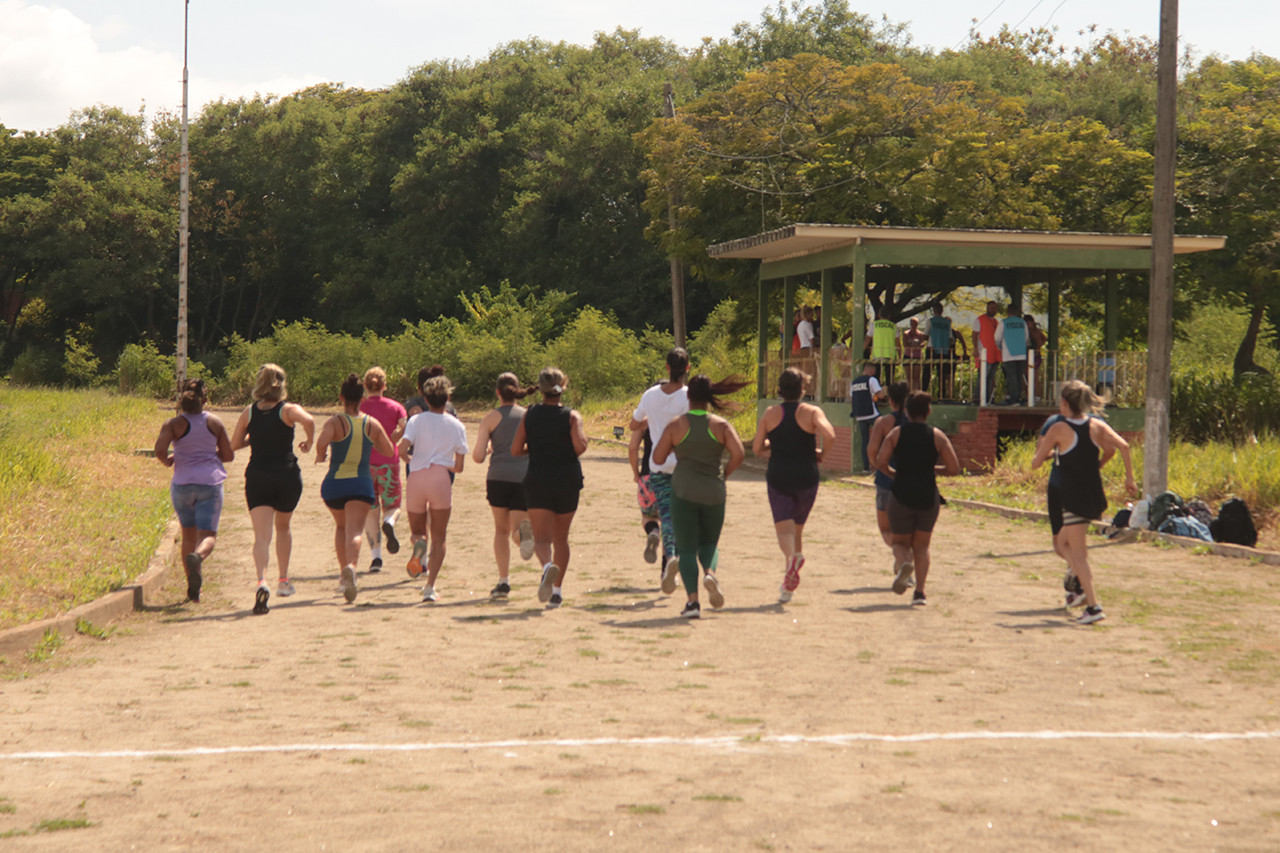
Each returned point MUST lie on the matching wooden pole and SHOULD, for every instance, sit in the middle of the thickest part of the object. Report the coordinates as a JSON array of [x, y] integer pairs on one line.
[[1155, 474], [184, 169], [678, 330]]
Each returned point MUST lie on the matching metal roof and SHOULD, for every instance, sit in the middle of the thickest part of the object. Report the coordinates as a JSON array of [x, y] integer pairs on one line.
[[799, 240]]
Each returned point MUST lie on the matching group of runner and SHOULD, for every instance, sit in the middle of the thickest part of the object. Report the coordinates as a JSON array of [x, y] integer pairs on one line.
[[535, 478]]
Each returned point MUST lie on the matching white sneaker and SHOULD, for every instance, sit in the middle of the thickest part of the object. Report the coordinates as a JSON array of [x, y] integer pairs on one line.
[[348, 583], [902, 576], [670, 571], [429, 594], [711, 584], [549, 574], [652, 543], [285, 588], [526, 540], [784, 594]]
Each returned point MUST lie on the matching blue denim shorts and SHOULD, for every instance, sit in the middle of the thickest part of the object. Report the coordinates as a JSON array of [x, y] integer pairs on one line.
[[197, 505]]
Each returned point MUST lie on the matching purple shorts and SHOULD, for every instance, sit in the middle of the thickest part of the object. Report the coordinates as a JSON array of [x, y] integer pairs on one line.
[[792, 506]]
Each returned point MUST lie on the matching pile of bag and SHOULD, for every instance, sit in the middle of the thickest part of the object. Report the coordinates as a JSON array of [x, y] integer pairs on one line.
[[1167, 513]]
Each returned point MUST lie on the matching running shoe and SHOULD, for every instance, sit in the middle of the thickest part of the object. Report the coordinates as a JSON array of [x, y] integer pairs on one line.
[[784, 594], [549, 573], [195, 578], [526, 540], [1075, 599], [652, 543], [429, 594], [692, 610], [376, 565], [555, 601], [1071, 583], [902, 574], [389, 536], [712, 585], [348, 583], [791, 579], [284, 589], [670, 572], [1090, 615], [502, 590], [918, 599], [260, 600], [415, 562]]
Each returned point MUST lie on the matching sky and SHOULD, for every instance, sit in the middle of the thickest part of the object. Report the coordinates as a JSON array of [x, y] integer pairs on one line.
[[58, 56]]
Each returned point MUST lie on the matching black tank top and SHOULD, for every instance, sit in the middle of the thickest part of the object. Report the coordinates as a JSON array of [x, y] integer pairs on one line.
[[270, 439], [916, 483], [548, 434], [1078, 476], [793, 454]]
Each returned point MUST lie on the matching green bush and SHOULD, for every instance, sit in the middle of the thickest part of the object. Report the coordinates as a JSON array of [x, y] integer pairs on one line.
[[37, 365], [143, 370], [315, 360], [1215, 407], [600, 357]]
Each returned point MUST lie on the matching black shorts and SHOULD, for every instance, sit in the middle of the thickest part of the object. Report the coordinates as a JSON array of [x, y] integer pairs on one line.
[[280, 489], [560, 499], [341, 503], [905, 520], [504, 495]]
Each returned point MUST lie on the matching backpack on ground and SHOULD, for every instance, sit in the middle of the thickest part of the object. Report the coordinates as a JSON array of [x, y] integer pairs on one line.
[[1164, 505], [1234, 524], [1201, 511], [1186, 525]]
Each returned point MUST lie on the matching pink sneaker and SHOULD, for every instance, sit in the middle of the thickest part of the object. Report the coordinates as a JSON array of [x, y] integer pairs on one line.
[[792, 578]]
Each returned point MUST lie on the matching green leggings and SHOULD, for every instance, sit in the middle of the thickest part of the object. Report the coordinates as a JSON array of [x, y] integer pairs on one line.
[[697, 530]]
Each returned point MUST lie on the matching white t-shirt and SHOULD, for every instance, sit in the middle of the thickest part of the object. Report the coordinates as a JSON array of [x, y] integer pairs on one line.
[[435, 439], [660, 409], [805, 331]]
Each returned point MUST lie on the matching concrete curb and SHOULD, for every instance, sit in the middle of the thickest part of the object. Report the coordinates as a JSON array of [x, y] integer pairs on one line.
[[15, 641]]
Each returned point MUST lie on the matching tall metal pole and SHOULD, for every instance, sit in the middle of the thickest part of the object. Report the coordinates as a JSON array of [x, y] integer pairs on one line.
[[1155, 469], [184, 181], [677, 273]]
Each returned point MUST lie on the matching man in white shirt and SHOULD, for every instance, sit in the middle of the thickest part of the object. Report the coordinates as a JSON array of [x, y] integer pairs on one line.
[[658, 406]]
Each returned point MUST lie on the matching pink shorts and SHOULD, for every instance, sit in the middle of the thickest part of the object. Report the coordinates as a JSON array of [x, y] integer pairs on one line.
[[429, 487]]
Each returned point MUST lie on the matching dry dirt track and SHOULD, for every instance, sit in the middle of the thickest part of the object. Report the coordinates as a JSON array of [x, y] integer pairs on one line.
[[845, 720]]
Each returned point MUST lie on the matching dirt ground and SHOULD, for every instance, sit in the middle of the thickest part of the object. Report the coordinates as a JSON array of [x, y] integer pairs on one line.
[[844, 720]]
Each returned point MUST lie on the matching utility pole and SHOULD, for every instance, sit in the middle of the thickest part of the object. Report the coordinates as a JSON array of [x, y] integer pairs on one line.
[[184, 182], [1155, 469], [677, 273]]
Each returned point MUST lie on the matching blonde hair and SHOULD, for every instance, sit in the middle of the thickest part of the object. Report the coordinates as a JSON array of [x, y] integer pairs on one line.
[[552, 381], [1080, 398], [375, 379], [270, 384]]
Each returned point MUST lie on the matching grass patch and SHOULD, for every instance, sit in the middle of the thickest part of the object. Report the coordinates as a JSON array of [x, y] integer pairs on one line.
[[49, 643], [644, 808], [718, 798], [116, 502], [87, 629], [61, 823]]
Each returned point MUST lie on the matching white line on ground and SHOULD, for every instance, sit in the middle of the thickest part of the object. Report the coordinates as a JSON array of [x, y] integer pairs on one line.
[[711, 742]]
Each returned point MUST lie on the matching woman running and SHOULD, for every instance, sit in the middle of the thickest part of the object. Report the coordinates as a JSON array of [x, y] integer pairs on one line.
[[659, 406], [915, 448], [504, 486], [200, 447], [553, 438], [272, 479], [439, 442], [347, 488], [884, 483], [385, 470], [1076, 443], [416, 406], [787, 436], [639, 450], [699, 440]]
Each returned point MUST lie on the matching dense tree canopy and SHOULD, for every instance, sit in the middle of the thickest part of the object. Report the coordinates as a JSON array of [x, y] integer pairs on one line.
[[548, 167]]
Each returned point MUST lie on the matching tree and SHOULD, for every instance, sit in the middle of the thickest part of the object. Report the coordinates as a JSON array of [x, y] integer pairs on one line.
[[1229, 156]]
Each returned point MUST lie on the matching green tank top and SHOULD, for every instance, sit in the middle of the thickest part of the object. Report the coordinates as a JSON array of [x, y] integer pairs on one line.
[[883, 339], [697, 477]]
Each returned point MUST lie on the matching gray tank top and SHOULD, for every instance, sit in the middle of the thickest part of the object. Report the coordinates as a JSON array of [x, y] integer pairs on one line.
[[504, 467]]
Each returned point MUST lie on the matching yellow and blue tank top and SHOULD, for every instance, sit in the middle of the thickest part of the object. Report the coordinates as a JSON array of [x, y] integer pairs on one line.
[[348, 475]]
